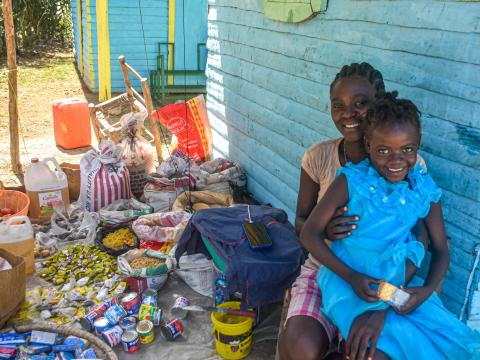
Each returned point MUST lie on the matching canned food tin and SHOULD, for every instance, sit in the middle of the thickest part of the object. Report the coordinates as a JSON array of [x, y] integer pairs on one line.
[[101, 324], [145, 331], [172, 330], [131, 303], [146, 312], [130, 341], [88, 320], [113, 336], [178, 308], [114, 314], [114, 300], [149, 297], [157, 317], [128, 324]]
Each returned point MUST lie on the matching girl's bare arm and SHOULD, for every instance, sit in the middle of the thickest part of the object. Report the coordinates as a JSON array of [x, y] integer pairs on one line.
[[313, 235], [439, 248]]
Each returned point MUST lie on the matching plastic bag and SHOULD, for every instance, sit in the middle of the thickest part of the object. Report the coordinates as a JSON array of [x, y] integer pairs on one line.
[[221, 176], [189, 123], [197, 271], [79, 227], [104, 177], [160, 231], [136, 151], [162, 269], [123, 211]]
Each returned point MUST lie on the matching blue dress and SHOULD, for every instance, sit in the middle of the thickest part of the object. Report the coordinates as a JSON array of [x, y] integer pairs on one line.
[[379, 248]]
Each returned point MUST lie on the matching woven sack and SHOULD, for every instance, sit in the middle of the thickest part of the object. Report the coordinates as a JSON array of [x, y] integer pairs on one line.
[[12, 286], [202, 200]]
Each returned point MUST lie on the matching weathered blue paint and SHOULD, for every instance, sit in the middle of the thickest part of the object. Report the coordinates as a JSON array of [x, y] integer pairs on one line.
[[134, 32], [191, 15], [268, 90], [136, 28]]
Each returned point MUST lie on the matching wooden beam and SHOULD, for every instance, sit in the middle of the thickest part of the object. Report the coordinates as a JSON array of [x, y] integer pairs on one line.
[[12, 86], [153, 123]]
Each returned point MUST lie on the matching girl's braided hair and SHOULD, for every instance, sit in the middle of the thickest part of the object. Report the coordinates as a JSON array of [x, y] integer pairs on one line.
[[365, 71], [390, 110]]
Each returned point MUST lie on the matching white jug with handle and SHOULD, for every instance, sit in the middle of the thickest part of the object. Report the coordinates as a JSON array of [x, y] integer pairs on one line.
[[46, 188], [16, 236]]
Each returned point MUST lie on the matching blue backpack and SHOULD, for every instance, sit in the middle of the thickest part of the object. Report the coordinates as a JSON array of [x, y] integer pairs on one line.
[[261, 275]]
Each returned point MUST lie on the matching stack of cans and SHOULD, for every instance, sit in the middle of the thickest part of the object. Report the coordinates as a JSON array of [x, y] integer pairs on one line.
[[115, 321]]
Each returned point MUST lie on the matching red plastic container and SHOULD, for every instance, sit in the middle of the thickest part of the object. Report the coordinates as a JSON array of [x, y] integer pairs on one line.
[[71, 123]]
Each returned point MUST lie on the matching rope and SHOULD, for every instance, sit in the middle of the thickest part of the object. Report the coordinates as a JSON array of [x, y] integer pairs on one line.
[[469, 283], [185, 98]]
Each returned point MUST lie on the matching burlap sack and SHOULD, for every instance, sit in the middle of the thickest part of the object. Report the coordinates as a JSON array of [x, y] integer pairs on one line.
[[12, 286]]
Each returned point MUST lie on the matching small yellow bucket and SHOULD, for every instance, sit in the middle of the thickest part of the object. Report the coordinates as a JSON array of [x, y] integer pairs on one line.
[[233, 334]]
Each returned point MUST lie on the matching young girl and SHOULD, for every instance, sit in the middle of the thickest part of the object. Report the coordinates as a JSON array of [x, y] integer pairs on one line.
[[389, 192]]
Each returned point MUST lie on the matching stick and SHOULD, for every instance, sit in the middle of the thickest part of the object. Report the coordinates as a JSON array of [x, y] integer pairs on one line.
[[12, 86]]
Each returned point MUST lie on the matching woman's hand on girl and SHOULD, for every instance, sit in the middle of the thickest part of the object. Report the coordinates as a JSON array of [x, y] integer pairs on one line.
[[364, 334], [340, 226], [418, 295], [361, 285]]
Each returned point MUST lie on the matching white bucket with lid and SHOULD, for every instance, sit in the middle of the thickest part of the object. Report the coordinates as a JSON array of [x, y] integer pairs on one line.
[[16, 236], [46, 188]]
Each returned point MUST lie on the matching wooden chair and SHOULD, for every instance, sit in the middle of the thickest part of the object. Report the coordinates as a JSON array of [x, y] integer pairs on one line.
[[100, 114]]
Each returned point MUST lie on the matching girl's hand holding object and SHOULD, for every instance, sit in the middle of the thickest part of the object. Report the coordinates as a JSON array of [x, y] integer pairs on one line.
[[361, 285], [418, 295]]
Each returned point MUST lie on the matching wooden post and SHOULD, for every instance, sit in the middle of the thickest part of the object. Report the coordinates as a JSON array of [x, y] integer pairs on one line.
[[12, 86], [153, 123]]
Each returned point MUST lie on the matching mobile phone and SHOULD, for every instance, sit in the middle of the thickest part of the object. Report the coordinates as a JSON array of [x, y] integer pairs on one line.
[[257, 235]]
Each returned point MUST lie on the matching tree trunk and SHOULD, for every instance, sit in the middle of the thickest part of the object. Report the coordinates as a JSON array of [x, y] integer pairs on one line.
[[12, 85]]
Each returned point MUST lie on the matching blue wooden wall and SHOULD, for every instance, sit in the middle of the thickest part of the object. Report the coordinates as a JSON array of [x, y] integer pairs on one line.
[[191, 15], [135, 32], [135, 29], [268, 96], [76, 35]]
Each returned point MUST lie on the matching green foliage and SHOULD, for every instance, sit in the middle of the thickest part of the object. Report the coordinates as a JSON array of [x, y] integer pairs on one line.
[[39, 21]]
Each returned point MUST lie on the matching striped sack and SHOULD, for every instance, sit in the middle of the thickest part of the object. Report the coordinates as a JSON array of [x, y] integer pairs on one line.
[[104, 177]]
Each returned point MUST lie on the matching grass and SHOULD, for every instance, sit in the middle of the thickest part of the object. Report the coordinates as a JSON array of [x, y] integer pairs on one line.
[[42, 78]]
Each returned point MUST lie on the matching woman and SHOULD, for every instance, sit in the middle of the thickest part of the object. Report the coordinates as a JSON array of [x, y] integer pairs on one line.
[[308, 333]]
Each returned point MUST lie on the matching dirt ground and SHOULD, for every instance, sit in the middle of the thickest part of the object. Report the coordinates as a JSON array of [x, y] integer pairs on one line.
[[42, 78]]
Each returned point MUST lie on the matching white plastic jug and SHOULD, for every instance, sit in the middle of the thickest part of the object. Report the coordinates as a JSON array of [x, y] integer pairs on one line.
[[46, 189], [16, 236]]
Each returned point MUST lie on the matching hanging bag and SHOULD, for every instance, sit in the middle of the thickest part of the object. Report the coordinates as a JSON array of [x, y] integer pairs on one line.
[[136, 151]]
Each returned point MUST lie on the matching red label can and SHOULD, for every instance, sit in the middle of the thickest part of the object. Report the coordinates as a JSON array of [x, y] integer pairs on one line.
[[131, 303], [88, 320], [130, 341], [101, 324], [172, 330]]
